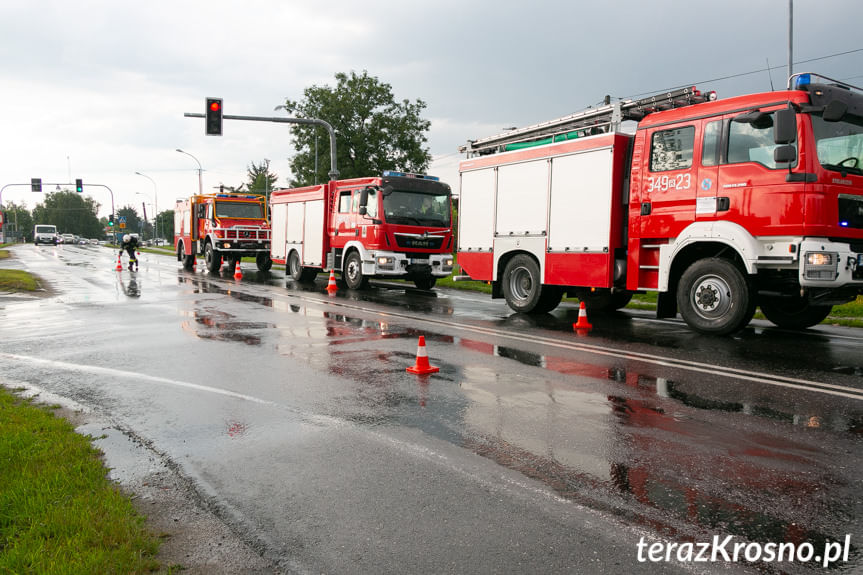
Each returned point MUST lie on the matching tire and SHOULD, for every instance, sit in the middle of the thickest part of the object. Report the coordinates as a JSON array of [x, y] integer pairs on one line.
[[549, 299], [212, 258], [353, 272], [263, 262], [297, 272], [425, 282], [714, 297], [794, 313], [523, 289], [605, 302], [187, 261]]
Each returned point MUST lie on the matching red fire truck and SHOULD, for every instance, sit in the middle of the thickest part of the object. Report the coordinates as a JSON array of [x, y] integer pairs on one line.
[[225, 226], [718, 205], [396, 226]]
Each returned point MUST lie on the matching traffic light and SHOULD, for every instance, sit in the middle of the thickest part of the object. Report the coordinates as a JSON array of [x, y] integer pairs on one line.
[[111, 220], [79, 186], [214, 116], [36, 184]]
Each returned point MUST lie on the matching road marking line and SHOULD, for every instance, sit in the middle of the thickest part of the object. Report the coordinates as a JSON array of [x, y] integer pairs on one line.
[[110, 372]]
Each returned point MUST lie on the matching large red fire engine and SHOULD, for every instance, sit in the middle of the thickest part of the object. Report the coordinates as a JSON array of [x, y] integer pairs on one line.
[[718, 205], [225, 226], [395, 226]]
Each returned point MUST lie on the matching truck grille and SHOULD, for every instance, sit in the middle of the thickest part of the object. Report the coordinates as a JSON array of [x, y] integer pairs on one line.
[[411, 241], [241, 234]]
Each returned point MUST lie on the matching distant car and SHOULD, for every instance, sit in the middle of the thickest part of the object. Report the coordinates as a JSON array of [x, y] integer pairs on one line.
[[45, 234], [94, 242], [67, 239], [83, 241]]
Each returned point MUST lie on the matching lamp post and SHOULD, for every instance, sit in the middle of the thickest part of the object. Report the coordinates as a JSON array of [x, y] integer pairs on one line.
[[200, 170], [155, 201]]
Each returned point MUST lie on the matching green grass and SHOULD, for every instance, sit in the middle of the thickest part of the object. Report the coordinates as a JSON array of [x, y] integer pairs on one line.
[[17, 280], [4, 254], [59, 513]]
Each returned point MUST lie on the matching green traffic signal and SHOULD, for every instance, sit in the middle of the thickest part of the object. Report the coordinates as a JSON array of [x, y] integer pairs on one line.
[[79, 186]]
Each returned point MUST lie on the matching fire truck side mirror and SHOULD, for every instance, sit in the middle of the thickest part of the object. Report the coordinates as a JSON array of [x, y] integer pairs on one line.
[[786, 154], [785, 126], [364, 200]]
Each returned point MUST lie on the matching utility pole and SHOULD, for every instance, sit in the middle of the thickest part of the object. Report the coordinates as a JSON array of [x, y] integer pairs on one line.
[[790, 37]]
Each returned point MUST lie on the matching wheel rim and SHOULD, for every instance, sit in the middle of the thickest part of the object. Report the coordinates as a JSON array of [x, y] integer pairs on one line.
[[520, 283], [295, 265], [711, 297], [353, 270]]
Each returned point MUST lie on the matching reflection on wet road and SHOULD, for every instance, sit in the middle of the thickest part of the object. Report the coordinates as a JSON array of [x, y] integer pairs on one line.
[[681, 437]]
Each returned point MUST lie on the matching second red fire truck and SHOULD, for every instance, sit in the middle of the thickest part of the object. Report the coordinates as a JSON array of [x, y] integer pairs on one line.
[[717, 205], [395, 226]]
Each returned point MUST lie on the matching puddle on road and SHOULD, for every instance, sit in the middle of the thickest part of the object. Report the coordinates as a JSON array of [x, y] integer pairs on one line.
[[657, 451]]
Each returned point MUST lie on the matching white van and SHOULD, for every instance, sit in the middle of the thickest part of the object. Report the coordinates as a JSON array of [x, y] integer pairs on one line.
[[45, 234]]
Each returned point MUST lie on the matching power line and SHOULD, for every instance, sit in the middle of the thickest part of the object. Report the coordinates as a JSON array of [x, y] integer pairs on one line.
[[740, 75]]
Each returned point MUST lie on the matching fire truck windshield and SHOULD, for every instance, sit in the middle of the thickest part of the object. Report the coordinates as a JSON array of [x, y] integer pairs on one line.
[[839, 144], [249, 210], [416, 208]]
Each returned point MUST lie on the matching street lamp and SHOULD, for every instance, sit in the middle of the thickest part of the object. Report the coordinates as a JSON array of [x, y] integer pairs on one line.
[[155, 200], [200, 170]]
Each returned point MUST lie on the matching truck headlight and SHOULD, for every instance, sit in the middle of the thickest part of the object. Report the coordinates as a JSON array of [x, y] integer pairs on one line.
[[448, 262], [386, 263], [820, 265], [227, 245]]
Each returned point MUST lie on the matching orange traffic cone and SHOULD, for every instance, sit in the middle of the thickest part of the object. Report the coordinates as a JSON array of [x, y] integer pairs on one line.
[[238, 273], [422, 366], [331, 285], [119, 267], [582, 323]]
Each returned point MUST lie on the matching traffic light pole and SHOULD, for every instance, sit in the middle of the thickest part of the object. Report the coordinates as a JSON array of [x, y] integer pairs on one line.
[[334, 172]]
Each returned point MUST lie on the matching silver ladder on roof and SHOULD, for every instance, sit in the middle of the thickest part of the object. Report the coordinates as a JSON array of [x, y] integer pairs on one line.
[[605, 118]]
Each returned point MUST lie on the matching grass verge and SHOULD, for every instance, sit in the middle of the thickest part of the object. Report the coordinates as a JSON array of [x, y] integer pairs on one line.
[[17, 280], [59, 513]]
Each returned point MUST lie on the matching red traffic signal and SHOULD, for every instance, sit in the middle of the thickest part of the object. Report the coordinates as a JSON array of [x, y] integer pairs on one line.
[[214, 117]]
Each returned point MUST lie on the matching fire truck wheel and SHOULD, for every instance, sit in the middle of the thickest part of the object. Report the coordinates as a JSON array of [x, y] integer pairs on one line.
[[297, 272], [263, 262], [794, 313], [604, 301], [522, 285], [212, 258], [714, 297], [425, 282], [353, 272]]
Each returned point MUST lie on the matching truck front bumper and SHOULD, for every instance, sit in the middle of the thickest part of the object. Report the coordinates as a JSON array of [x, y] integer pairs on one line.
[[828, 264], [393, 264], [242, 247]]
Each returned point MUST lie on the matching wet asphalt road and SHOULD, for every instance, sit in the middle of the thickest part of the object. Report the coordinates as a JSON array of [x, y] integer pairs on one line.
[[535, 449]]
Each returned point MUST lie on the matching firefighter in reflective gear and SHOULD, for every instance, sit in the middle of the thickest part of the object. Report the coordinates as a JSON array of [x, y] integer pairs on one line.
[[130, 244]]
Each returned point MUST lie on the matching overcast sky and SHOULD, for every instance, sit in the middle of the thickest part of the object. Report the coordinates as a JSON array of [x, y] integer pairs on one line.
[[97, 89]]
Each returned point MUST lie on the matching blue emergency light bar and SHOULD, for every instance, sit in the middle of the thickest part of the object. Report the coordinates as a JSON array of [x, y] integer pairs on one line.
[[802, 80], [391, 173]]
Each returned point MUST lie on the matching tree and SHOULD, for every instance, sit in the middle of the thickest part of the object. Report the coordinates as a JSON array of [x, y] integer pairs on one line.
[[166, 224], [134, 224], [261, 181], [71, 212], [17, 216], [373, 132]]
